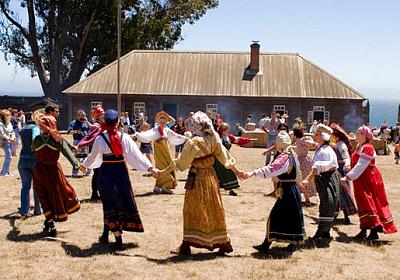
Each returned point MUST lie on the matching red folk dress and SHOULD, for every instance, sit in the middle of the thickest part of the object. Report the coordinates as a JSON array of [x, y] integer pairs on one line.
[[369, 192], [57, 197]]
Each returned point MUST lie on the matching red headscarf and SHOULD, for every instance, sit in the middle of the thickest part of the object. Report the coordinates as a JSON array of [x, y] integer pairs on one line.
[[48, 124], [115, 140]]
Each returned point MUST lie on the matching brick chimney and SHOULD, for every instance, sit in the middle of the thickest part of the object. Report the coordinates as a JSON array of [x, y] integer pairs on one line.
[[254, 57]]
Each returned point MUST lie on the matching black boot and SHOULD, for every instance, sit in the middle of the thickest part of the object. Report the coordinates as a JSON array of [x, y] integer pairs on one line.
[[103, 239], [47, 226], [291, 248], [225, 249], [232, 193], [321, 234], [183, 249], [373, 235], [118, 243], [361, 235], [263, 247], [50, 229]]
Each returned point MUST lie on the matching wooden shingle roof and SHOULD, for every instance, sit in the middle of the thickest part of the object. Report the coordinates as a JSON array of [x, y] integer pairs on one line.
[[217, 74]]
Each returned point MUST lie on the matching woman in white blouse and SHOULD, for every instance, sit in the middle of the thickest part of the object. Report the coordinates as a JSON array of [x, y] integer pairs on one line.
[[7, 138], [161, 135], [110, 152], [327, 179]]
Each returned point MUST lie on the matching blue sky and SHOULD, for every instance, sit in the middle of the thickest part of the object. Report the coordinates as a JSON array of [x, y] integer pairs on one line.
[[357, 41]]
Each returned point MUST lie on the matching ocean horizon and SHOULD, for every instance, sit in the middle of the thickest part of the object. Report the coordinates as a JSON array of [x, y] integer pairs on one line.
[[381, 109]]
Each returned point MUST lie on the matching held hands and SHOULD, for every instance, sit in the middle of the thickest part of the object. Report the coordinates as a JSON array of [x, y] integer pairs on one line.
[[82, 169], [245, 175], [343, 180], [155, 172], [304, 183]]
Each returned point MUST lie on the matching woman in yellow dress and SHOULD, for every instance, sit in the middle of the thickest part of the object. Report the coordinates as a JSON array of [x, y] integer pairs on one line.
[[162, 135], [204, 224]]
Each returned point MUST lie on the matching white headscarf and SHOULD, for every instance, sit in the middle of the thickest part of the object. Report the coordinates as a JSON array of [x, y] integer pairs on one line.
[[325, 131], [201, 124]]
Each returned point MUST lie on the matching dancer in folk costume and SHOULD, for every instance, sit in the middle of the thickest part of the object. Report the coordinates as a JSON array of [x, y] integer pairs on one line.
[[204, 223], [227, 178], [57, 197], [110, 152], [369, 190], [285, 222], [162, 135], [343, 150], [303, 146], [327, 179], [88, 140]]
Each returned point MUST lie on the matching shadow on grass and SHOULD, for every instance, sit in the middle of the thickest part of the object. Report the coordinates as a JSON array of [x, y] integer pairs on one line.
[[91, 201], [15, 234], [94, 250], [275, 253], [156, 194], [190, 258], [344, 238]]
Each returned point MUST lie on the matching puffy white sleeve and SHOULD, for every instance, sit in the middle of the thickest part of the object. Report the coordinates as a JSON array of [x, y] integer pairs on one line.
[[324, 160], [277, 167], [362, 164], [95, 157], [148, 136], [174, 138], [358, 169], [133, 156], [344, 152]]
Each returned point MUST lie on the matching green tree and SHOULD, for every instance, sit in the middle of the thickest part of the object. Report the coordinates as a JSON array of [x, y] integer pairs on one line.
[[60, 40]]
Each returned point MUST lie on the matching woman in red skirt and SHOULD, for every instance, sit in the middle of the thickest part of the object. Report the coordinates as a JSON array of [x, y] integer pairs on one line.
[[369, 190]]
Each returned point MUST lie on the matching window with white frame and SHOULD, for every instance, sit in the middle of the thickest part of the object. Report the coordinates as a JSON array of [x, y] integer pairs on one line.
[[212, 108], [280, 109], [139, 107], [94, 104], [318, 114]]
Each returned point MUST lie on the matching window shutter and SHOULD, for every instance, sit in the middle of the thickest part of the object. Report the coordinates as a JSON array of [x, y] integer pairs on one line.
[[310, 117], [327, 116]]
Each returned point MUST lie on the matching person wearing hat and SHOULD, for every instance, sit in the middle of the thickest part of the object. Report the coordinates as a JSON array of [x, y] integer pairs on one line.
[[285, 222], [57, 197], [369, 190], [88, 140], [204, 224], [162, 135], [343, 150], [110, 152], [324, 173]]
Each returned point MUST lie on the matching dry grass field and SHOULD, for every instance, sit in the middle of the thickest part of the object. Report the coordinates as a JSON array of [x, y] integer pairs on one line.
[[24, 254]]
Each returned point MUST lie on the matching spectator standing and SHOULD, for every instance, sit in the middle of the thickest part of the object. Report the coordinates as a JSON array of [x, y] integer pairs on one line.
[[272, 130], [179, 128], [78, 128], [26, 165], [15, 122], [7, 138]]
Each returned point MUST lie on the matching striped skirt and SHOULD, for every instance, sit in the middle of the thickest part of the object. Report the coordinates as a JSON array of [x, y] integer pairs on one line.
[[328, 187], [119, 206], [226, 177]]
